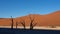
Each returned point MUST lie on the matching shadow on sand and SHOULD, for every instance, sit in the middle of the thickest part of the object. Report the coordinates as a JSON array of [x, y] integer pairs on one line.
[[27, 31]]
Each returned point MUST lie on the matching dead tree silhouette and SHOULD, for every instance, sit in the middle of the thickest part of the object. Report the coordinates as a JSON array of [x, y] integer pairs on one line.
[[32, 25], [16, 24], [23, 24], [11, 22]]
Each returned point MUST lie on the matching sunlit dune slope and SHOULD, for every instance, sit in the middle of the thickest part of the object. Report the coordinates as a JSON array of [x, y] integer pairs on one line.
[[41, 20]]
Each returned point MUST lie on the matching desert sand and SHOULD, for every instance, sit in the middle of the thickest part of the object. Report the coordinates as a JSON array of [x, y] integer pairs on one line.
[[52, 19]]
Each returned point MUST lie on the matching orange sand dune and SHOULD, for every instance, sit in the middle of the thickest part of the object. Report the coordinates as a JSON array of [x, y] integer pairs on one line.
[[41, 20]]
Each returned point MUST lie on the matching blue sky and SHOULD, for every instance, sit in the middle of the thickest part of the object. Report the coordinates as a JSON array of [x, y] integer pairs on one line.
[[17, 8]]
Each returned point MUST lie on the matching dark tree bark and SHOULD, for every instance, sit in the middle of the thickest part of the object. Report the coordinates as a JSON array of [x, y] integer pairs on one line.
[[16, 24], [11, 22], [31, 23], [23, 24]]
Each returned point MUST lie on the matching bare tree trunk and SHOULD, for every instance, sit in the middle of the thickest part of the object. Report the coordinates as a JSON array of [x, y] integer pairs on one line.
[[31, 23], [31, 26], [16, 25], [11, 23], [23, 24]]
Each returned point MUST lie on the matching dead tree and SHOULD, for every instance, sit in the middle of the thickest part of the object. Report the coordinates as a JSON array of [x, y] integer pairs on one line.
[[32, 25], [23, 24], [16, 24], [11, 22]]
